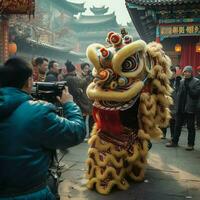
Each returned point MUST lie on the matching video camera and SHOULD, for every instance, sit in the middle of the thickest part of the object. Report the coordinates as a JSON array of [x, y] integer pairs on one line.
[[48, 91]]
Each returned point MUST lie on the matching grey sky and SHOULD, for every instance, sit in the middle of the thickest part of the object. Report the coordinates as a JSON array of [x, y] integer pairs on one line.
[[114, 5]]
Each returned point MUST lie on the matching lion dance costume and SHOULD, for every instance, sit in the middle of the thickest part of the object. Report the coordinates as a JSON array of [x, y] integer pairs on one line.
[[131, 95]]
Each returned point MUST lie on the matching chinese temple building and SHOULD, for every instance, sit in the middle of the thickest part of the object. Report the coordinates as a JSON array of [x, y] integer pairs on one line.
[[94, 28], [47, 33], [173, 23], [53, 30]]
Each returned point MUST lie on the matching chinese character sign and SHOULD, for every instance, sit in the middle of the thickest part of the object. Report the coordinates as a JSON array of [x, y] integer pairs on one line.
[[173, 30]]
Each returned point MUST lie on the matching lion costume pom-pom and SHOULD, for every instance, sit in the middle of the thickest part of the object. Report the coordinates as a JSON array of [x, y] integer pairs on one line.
[[131, 95]]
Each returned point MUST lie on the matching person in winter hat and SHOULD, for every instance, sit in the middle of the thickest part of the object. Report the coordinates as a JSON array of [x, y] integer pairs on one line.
[[188, 69], [186, 105]]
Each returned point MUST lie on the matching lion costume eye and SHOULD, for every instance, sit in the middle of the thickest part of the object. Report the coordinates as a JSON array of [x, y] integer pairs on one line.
[[130, 64]]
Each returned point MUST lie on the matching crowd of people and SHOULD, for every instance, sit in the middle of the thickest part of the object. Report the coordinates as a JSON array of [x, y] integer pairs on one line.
[[186, 89], [51, 71]]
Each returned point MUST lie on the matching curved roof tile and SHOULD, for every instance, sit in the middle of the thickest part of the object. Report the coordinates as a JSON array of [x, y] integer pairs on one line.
[[94, 19], [99, 10], [71, 7]]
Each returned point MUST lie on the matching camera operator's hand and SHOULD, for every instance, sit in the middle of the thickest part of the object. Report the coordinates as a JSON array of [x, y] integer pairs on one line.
[[66, 96]]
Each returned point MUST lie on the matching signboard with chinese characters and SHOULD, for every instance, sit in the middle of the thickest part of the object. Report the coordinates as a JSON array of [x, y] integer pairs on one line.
[[17, 7], [179, 30]]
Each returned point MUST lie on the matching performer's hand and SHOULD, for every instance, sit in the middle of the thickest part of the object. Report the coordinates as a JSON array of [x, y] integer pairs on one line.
[[66, 96]]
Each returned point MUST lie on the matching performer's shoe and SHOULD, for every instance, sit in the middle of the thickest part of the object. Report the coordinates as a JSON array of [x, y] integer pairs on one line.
[[171, 144], [189, 148]]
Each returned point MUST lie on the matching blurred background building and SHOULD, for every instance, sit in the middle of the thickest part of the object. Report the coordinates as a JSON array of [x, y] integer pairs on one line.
[[56, 29], [175, 24]]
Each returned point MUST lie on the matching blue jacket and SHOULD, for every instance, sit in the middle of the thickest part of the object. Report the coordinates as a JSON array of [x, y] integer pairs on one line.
[[27, 129]]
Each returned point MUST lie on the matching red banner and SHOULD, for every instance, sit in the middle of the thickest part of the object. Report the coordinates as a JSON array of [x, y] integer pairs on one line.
[[17, 7]]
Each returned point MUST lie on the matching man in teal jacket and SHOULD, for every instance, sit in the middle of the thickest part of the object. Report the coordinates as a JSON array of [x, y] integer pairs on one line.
[[27, 130]]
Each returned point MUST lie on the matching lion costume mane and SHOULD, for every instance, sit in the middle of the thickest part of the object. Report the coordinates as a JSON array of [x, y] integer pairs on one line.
[[131, 95]]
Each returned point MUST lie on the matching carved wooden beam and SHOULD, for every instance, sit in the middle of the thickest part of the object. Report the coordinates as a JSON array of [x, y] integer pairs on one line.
[[26, 7]]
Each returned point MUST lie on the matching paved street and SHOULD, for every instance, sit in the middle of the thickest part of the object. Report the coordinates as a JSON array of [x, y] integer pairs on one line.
[[172, 174]]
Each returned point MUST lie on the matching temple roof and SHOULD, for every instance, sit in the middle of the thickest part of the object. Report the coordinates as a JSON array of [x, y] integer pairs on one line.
[[99, 10], [95, 19], [48, 46], [161, 2], [32, 47], [73, 8]]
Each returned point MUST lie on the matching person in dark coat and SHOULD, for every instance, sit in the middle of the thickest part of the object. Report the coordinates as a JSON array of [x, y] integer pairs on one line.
[[174, 83], [186, 104], [28, 130], [76, 87], [86, 77], [52, 74], [86, 73]]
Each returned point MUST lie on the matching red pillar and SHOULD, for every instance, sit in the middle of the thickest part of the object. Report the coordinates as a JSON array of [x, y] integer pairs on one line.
[[4, 39], [158, 33], [158, 39]]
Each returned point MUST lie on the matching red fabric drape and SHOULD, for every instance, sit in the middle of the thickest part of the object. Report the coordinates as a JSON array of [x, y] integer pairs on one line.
[[108, 121], [189, 56]]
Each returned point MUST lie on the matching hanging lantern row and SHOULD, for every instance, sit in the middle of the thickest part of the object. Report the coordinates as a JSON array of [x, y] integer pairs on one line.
[[178, 48]]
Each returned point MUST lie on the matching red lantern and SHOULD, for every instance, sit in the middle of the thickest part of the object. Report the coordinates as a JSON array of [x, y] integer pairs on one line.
[[12, 48], [178, 48], [198, 47]]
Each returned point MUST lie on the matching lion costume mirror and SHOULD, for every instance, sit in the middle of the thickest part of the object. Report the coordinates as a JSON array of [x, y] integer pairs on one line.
[[131, 95]]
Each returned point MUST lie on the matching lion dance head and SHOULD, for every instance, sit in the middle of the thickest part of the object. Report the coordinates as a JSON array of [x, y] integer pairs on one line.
[[131, 95]]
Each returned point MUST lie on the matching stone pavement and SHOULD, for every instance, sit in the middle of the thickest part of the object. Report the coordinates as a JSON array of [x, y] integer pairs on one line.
[[172, 174]]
